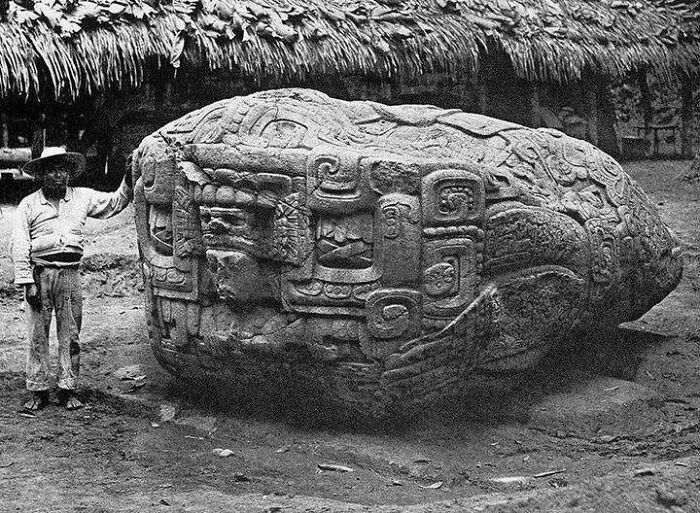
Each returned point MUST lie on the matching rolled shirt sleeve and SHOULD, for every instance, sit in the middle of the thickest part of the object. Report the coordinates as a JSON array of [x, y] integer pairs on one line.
[[104, 205], [21, 246]]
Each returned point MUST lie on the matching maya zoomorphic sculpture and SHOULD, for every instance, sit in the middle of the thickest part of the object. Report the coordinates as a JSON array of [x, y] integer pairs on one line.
[[380, 254]]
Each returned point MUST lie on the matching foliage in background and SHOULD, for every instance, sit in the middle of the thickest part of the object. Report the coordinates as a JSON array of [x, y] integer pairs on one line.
[[62, 48]]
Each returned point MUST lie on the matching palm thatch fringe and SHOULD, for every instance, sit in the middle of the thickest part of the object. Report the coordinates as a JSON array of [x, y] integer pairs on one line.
[[62, 48]]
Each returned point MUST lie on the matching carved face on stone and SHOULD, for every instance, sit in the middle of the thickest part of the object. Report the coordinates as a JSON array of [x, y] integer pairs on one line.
[[382, 252]]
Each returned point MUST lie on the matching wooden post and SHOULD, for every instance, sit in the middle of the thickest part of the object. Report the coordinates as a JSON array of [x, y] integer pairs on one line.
[[482, 95], [5, 130], [687, 115], [4, 7], [38, 135], [645, 100], [98, 132], [590, 90], [481, 78], [73, 131], [535, 106], [607, 135]]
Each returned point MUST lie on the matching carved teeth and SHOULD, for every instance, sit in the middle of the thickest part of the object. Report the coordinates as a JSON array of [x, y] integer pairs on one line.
[[229, 196], [209, 194], [225, 195], [256, 333], [245, 197]]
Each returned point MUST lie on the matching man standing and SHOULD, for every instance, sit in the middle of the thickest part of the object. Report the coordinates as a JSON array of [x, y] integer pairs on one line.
[[46, 249]]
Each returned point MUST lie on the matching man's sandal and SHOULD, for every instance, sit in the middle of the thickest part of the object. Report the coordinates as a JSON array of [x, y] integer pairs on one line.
[[73, 403], [69, 400], [38, 401]]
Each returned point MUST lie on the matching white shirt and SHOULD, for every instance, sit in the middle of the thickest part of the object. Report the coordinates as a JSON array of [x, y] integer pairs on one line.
[[41, 229]]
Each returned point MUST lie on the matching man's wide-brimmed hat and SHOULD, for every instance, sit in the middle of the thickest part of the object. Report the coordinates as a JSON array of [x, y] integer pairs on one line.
[[72, 162]]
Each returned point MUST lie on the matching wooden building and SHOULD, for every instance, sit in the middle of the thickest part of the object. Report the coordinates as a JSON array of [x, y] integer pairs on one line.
[[98, 75]]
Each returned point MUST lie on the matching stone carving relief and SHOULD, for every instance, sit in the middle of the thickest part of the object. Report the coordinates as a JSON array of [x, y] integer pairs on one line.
[[379, 255]]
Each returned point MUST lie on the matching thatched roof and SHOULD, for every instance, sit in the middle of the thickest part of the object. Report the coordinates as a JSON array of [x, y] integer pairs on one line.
[[66, 47]]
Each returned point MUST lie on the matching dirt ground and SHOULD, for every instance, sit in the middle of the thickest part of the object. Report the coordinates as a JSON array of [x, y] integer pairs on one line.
[[612, 426]]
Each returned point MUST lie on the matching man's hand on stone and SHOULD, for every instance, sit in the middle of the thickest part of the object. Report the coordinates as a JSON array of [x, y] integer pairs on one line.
[[31, 294]]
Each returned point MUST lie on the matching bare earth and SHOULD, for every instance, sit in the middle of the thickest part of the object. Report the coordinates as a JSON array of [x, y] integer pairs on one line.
[[613, 425]]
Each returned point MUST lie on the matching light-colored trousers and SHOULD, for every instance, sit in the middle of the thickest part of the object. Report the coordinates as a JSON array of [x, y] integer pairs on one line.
[[60, 292]]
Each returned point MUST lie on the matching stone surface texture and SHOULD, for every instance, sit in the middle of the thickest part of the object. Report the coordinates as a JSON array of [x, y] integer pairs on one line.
[[374, 256]]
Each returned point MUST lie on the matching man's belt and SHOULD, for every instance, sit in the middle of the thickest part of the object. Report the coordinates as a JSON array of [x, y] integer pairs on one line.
[[57, 260]]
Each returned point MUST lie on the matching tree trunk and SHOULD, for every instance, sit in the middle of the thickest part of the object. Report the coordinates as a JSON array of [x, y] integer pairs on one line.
[[687, 116]]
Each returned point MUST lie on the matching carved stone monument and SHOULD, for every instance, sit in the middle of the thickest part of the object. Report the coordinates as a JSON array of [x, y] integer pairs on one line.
[[377, 255]]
